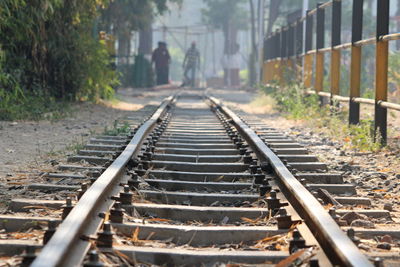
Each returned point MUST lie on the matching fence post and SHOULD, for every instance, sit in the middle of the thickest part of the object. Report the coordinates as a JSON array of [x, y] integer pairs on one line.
[[272, 57], [355, 66], [381, 80], [299, 46], [308, 58], [266, 60], [336, 54], [319, 65], [277, 56], [283, 55], [290, 50]]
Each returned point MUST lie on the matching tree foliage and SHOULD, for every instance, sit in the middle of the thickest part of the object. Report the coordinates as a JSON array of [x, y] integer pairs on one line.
[[48, 48], [228, 15]]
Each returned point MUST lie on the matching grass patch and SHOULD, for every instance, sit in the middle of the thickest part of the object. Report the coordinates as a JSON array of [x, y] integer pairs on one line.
[[76, 145], [295, 104], [118, 129], [31, 106], [263, 100]]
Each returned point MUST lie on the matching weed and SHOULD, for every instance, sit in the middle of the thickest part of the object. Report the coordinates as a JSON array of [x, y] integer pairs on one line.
[[76, 145], [293, 101], [52, 152], [118, 129], [32, 106]]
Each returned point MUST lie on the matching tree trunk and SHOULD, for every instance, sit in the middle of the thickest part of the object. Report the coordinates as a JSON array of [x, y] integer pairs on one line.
[[252, 59], [146, 40], [230, 34], [398, 24], [273, 14], [123, 45]]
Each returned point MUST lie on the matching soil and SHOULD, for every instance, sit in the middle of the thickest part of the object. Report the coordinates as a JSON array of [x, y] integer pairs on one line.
[[27, 146]]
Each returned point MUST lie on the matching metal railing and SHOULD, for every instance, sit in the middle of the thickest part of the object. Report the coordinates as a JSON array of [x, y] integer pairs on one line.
[[289, 47]]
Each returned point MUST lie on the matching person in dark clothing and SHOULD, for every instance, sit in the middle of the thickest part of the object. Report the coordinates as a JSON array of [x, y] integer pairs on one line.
[[161, 60]]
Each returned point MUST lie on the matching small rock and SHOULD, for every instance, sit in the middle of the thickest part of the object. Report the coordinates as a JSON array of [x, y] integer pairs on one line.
[[387, 239], [387, 182], [225, 220], [13, 123], [388, 206], [352, 216], [383, 175], [386, 246], [362, 223], [363, 247], [398, 176]]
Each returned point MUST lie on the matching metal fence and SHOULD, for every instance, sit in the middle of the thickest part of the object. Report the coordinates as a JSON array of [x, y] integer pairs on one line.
[[291, 48]]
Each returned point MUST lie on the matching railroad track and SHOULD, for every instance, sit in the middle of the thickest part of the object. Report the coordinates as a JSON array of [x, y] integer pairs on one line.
[[196, 184]]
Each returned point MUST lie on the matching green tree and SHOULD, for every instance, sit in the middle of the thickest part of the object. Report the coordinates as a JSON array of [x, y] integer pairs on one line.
[[48, 48], [228, 15]]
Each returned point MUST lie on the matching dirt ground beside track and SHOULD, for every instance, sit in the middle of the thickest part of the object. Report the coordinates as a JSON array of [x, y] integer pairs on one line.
[[26, 146]]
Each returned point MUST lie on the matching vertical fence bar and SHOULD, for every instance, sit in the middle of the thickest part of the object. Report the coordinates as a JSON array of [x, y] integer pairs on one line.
[[272, 59], [336, 54], [283, 55], [381, 80], [299, 47], [266, 51], [355, 68], [319, 67], [290, 52], [273, 56], [277, 57], [270, 69], [308, 58]]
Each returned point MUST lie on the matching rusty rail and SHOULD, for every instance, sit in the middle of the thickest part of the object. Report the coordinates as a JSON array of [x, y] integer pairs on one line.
[[70, 243], [279, 54], [335, 243]]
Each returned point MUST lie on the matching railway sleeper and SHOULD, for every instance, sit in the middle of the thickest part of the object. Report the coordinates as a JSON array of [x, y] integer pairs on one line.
[[199, 167], [196, 158], [199, 176]]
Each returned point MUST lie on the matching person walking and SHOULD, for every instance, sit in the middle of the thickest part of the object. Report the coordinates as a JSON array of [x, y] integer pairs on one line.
[[190, 63], [161, 60]]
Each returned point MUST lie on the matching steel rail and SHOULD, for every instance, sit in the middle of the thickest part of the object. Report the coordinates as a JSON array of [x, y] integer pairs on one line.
[[335, 243], [69, 244]]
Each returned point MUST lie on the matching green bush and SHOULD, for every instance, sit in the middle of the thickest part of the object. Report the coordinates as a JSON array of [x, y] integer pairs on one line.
[[292, 100], [48, 53], [296, 104]]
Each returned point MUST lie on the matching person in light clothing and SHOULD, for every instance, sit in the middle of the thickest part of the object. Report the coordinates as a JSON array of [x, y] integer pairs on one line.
[[190, 63]]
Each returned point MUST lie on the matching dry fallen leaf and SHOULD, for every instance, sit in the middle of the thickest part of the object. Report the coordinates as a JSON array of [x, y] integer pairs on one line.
[[289, 260], [135, 235], [158, 220]]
